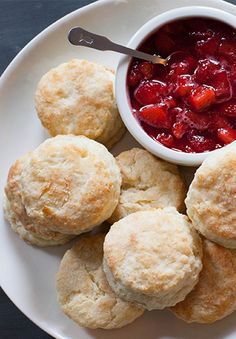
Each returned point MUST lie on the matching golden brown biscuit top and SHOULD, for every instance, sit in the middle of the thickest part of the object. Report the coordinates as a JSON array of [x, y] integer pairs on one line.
[[69, 180], [152, 251], [211, 199], [214, 297], [77, 98], [147, 182], [84, 292]]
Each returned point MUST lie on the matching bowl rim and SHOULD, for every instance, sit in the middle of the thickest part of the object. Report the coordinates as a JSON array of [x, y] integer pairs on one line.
[[178, 157]]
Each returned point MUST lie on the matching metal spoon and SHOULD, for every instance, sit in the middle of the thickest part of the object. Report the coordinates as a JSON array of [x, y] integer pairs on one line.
[[80, 37]]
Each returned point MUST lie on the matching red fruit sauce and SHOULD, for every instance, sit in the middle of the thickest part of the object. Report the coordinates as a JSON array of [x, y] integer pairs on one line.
[[190, 104]]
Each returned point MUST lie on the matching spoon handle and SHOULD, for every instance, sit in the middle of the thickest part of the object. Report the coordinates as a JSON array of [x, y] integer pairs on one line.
[[80, 37]]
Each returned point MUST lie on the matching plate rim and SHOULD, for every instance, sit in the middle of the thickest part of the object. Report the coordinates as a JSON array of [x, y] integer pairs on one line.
[[7, 72]]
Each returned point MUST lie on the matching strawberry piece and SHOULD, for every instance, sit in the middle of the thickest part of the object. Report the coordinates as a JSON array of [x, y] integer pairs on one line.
[[147, 69], [201, 97], [205, 70], [149, 92], [178, 69], [184, 66], [226, 135], [221, 83], [197, 121], [193, 120], [200, 143], [134, 77], [166, 139], [228, 108], [228, 50], [179, 129], [218, 121], [176, 112], [169, 102], [191, 62], [156, 116], [208, 47], [184, 85]]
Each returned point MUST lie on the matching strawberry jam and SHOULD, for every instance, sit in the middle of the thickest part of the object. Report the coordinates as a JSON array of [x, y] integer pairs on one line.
[[190, 103]]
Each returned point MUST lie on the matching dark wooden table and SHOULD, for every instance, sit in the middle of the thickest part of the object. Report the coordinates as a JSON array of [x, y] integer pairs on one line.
[[20, 21]]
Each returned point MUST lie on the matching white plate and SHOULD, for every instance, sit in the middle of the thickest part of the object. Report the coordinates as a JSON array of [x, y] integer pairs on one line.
[[27, 274]]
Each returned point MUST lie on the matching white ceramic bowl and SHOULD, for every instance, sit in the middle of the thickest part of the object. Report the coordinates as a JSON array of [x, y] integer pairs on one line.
[[181, 158]]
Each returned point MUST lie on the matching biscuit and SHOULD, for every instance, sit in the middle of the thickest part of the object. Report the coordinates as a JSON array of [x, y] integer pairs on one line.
[[83, 292], [152, 257], [69, 184], [147, 182], [77, 98], [16, 215], [33, 237], [211, 199], [214, 297]]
